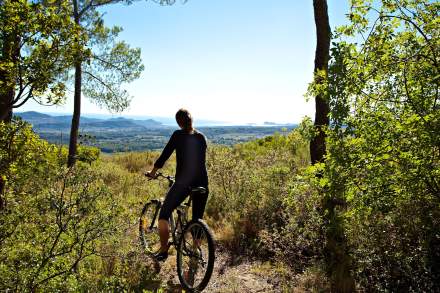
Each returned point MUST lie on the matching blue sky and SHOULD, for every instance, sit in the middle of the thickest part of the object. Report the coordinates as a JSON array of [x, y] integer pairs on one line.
[[238, 61]]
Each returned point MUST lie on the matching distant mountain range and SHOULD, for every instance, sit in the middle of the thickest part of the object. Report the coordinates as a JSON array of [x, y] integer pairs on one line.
[[167, 121], [62, 123], [96, 122]]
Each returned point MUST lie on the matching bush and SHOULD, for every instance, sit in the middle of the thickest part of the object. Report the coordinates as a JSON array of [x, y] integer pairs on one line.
[[248, 186], [53, 217]]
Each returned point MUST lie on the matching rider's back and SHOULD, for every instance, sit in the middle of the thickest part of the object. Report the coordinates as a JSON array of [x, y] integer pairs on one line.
[[190, 156]]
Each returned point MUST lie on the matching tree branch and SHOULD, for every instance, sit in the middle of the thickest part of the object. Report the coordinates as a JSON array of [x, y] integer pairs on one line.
[[109, 64], [29, 95], [100, 81]]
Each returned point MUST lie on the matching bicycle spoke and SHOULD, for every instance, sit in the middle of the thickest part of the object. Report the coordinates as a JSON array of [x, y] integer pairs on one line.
[[194, 256]]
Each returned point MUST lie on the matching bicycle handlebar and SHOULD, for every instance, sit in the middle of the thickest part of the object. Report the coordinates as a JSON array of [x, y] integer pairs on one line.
[[168, 177]]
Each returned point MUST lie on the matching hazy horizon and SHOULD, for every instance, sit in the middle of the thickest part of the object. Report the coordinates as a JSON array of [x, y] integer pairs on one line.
[[167, 121]]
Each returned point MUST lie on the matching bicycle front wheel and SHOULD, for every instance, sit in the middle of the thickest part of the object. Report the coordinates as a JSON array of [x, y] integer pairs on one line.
[[195, 256], [148, 231]]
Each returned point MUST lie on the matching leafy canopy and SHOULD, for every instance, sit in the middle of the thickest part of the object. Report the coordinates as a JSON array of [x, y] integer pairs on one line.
[[35, 46], [383, 156]]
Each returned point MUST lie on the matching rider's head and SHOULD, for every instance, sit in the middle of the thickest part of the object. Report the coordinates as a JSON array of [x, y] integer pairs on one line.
[[184, 120]]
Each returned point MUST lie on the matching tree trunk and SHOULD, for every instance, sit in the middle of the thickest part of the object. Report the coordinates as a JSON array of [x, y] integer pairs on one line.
[[9, 54], [76, 100], [6, 102], [336, 257], [7, 89], [76, 117], [2, 200], [317, 145]]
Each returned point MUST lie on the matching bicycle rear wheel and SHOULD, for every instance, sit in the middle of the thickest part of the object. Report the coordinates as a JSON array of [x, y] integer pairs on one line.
[[148, 231], [195, 256]]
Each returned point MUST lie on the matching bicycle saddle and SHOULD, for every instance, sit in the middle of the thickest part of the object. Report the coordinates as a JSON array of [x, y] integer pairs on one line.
[[199, 189]]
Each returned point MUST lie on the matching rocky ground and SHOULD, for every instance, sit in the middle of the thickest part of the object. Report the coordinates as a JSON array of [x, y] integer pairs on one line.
[[232, 274]]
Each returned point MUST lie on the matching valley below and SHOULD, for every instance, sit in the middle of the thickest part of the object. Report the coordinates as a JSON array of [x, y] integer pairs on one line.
[[125, 135]]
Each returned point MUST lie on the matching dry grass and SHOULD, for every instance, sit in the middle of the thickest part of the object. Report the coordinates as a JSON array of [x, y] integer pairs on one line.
[[133, 162]]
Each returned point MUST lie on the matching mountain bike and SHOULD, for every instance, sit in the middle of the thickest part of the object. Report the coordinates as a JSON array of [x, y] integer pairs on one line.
[[192, 239]]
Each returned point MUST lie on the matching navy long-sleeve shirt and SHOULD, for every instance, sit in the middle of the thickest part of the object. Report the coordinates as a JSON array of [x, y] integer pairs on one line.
[[190, 157]]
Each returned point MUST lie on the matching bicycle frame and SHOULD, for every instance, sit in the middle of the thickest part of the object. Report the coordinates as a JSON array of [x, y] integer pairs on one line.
[[181, 220], [181, 210], [181, 227]]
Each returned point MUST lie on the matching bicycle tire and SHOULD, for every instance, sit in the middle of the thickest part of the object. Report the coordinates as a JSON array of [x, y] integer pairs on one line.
[[195, 230], [148, 234]]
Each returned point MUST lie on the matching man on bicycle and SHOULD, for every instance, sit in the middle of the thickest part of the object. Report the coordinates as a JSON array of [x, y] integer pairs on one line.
[[190, 146]]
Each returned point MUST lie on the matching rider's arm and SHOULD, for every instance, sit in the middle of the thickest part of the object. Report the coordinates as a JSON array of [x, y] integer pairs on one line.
[[166, 153]]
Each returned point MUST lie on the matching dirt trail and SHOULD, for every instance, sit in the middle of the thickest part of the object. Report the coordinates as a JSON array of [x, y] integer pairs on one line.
[[230, 275]]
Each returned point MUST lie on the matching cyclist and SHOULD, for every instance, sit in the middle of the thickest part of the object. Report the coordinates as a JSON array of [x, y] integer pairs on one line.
[[190, 146]]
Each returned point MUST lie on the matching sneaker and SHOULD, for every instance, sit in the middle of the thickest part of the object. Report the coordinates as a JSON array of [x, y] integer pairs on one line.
[[160, 256]]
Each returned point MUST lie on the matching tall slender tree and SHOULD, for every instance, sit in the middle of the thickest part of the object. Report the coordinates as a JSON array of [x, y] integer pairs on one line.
[[323, 34], [336, 258], [104, 63]]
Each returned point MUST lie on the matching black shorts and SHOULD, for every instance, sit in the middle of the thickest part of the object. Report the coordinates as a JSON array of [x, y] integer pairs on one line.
[[176, 195]]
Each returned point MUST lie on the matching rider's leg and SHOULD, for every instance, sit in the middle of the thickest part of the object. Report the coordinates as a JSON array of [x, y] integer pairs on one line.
[[175, 196], [199, 204], [164, 233]]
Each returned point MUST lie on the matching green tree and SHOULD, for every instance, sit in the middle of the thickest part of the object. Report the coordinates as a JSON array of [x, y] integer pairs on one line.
[[103, 62], [337, 261], [383, 156], [35, 41]]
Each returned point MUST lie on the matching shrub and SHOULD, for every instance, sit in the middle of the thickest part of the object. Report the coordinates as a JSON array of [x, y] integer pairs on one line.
[[248, 185], [53, 217]]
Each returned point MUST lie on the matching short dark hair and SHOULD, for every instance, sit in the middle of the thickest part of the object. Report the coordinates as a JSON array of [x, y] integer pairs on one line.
[[184, 119]]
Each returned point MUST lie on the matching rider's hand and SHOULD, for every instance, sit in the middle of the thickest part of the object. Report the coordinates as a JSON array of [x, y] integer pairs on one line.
[[151, 174]]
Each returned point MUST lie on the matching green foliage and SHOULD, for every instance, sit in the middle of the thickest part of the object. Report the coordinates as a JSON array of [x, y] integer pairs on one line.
[[23, 154], [72, 229], [36, 42], [88, 154], [261, 204], [248, 184], [107, 64], [53, 217], [111, 64], [382, 170], [300, 242]]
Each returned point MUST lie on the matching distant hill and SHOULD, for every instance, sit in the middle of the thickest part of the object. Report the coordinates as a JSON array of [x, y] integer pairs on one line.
[[33, 115], [145, 123], [48, 122]]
